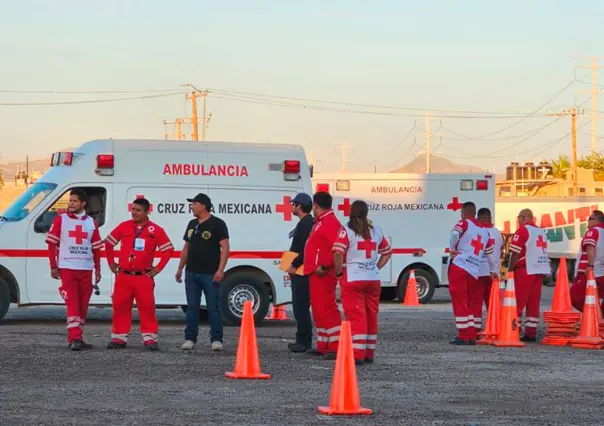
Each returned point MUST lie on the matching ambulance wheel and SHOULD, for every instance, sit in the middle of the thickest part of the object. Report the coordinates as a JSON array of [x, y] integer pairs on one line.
[[4, 298], [425, 282], [235, 290]]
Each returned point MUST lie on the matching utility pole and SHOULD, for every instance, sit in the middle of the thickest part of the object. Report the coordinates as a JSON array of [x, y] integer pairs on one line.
[[205, 120], [178, 122], [194, 115], [573, 112], [343, 146], [594, 95], [427, 142]]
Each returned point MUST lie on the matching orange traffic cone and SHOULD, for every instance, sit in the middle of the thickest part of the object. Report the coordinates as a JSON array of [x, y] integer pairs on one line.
[[561, 319], [247, 364], [278, 313], [589, 334], [491, 331], [411, 298], [509, 328], [345, 397], [599, 312]]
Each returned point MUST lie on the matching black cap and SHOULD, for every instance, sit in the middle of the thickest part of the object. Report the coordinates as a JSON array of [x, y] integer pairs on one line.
[[303, 199], [201, 199]]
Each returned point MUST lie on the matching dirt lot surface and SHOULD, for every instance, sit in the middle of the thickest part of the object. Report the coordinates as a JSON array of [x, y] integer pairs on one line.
[[417, 379]]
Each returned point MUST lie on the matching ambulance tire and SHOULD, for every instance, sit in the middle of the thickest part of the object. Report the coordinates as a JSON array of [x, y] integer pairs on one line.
[[238, 287], [4, 298], [424, 279]]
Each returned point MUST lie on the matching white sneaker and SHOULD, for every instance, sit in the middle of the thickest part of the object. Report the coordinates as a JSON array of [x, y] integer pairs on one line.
[[217, 346], [188, 345]]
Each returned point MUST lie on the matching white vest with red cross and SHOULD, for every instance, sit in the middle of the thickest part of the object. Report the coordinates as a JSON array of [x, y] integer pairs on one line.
[[537, 258], [599, 256], [485, 268], [471, 248], [362, 256], [75, 248]]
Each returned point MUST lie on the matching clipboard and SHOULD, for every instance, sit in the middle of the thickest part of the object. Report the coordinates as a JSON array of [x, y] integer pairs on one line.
[[286, 260]]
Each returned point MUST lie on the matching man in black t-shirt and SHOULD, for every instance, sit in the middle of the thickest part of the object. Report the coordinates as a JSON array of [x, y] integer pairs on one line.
[[205, 255]]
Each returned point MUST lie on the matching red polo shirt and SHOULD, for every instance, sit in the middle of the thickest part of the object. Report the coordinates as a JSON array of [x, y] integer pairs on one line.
[[318, 249], [131, 259]]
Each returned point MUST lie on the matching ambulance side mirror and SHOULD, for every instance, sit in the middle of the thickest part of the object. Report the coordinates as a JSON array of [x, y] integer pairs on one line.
[[44, 222]]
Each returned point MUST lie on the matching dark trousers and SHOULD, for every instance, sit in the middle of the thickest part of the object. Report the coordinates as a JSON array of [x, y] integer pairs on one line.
[[301, 303], [195, 283]]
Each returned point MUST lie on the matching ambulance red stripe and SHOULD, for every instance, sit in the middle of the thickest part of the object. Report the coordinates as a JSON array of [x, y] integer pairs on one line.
[[250, 254]]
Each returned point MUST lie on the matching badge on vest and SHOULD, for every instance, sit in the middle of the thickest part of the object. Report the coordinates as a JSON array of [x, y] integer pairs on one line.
[[139, 244]]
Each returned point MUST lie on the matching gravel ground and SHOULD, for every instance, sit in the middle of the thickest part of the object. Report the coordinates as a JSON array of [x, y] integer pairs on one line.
[[417, 378]]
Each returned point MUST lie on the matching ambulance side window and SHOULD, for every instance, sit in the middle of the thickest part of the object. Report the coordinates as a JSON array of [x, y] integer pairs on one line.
[[97, 201]]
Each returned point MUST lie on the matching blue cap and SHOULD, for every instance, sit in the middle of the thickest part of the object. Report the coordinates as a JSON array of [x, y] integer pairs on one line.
[[302, 198]]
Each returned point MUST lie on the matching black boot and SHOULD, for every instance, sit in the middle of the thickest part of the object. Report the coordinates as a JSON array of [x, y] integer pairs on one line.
[[459, 342], [116, 345], [77, 345], [298, 348], [152, 346]]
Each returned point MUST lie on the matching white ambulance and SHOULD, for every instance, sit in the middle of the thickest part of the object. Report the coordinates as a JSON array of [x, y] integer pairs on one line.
[[417, 213], [250, 186]]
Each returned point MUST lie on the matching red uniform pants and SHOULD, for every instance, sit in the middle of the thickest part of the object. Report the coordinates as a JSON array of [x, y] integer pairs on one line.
[[361, 302], [528, 295], [325, 312], [463, 289], [76, 289], [483, 293], [577, 291], [128, 288]]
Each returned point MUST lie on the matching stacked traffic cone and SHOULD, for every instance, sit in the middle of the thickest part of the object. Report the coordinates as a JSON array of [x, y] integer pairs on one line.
[[589, 334], [509, 327], [562, 319], [491, 331], [599, 312], [247, 365], [411, 298], [278, 313], [345, 397]]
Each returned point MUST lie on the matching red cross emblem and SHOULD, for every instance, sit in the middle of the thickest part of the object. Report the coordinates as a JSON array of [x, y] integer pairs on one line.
[[285, 208], [541, 243], [345, 207], [477, 244], [454, 204], [79, 234], [368, 246], [138, 197]]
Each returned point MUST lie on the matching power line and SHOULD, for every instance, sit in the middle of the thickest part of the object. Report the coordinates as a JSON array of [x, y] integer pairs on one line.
[[245, 99], [92, 101], [84, 92], [252, 95], [467, 138]]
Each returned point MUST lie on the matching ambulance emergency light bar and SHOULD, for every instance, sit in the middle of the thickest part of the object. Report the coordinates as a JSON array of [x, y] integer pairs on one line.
[[290, 169], [61, 159], [481, 185]]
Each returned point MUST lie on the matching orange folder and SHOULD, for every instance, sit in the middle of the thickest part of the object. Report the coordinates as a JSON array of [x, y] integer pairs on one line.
[[286, 260]]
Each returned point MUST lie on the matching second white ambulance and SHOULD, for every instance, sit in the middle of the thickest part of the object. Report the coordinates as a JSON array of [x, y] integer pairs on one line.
[[250, 185], [417, 213]]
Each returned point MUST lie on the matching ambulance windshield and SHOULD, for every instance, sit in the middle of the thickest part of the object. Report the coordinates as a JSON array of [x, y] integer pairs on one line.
[[28, 201]]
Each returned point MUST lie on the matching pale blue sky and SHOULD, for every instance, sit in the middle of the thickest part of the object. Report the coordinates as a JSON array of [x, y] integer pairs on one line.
[[472, 55]]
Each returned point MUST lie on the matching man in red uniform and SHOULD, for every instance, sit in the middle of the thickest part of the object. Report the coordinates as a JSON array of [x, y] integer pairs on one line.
[[318, 263], [468, 246], [485, 275], [529, 261], [140, 239], [591, 257], [74, 244]]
